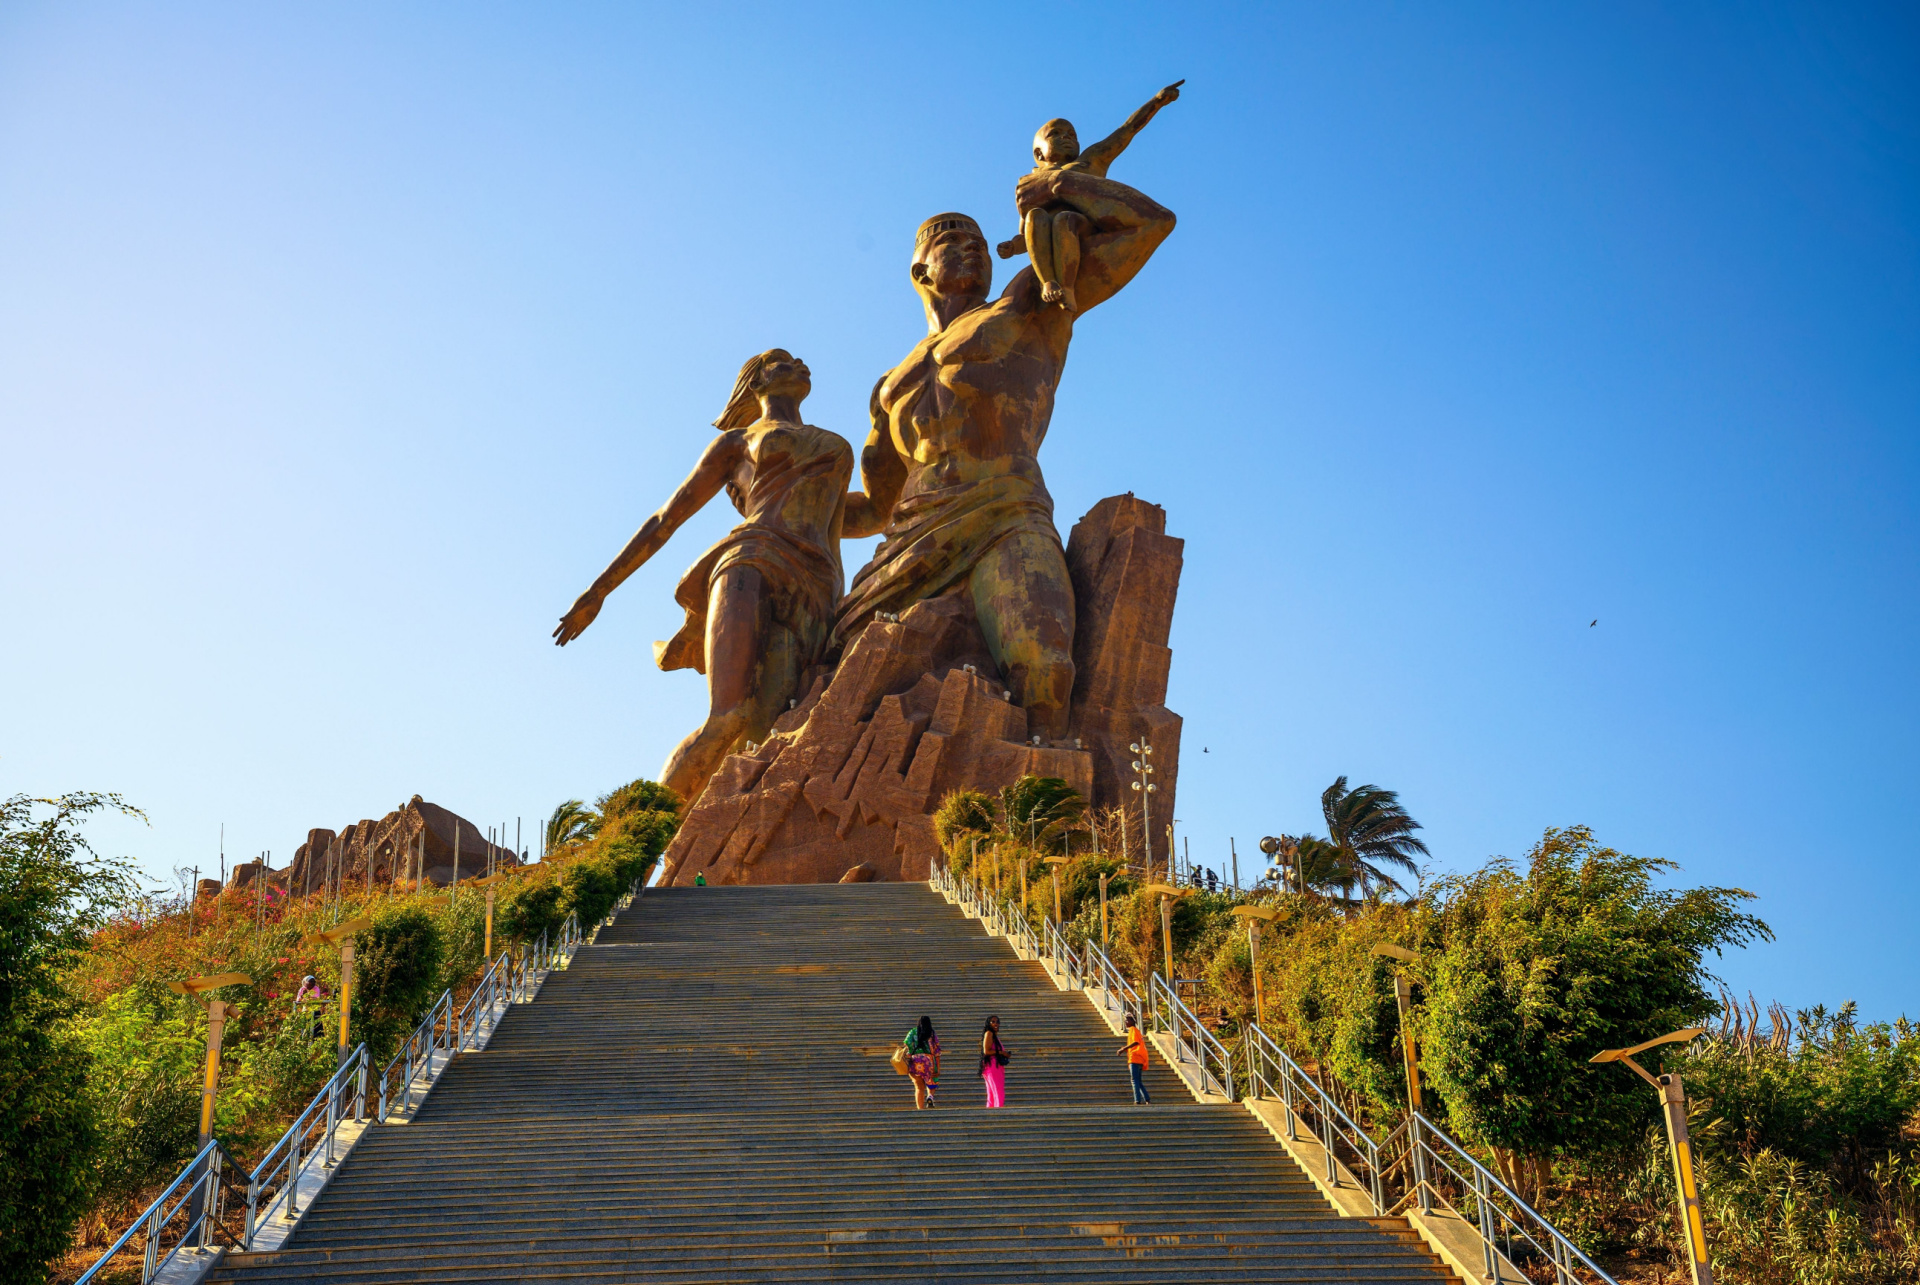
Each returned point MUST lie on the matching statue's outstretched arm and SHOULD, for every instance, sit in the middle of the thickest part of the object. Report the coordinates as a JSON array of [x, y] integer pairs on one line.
[[708, 476], [881, 470], [1129, 227], [1103, 152]]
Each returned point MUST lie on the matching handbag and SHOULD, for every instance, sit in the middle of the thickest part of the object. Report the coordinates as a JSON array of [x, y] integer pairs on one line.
[[899, 1060]]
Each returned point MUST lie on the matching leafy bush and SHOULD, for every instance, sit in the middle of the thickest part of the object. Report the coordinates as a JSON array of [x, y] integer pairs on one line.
[[53, 892], [963, 814], [396, 965], [1539, 971]]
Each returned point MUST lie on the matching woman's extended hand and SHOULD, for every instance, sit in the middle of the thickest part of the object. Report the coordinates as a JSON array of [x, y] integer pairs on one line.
[[575, 622]]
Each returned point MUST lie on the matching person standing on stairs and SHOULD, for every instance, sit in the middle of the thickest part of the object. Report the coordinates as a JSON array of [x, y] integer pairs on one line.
[[1136, 1051], [993, 1063], [923, 1062]]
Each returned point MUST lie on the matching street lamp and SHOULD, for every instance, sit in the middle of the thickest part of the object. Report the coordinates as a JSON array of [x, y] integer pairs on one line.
[[1143, 768], [1167, 895], [1254, 917], [1403, 1000], [195, 987], [486, 951], [1673, 1100], [342, 936], [1103, 912], [1054, 864]]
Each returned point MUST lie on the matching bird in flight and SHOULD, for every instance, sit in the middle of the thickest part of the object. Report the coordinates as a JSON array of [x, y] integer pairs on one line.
[[1592, 623]]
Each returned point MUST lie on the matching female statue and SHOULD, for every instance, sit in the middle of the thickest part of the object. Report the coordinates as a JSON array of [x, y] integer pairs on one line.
[[760, 603]]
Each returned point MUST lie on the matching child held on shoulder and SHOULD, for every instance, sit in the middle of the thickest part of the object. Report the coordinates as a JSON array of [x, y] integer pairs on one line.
[[1051, 233]]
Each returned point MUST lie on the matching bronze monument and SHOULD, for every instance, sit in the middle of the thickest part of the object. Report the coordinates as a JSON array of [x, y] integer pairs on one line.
[[951, 661]]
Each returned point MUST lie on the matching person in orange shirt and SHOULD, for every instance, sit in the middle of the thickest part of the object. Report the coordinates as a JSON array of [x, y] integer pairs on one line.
[[1136, 1051]]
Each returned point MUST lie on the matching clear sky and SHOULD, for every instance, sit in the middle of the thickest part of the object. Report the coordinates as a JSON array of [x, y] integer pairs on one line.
[[341, 346]]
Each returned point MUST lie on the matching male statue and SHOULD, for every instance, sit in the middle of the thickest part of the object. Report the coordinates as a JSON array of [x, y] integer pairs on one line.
[[951, 460]]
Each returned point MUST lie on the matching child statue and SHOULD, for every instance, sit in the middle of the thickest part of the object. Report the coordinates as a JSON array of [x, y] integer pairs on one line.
[[1051, 234]]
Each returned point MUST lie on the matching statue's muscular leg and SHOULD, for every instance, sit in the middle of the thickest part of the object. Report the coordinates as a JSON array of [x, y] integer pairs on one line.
[[753, 666], [1024, 599]]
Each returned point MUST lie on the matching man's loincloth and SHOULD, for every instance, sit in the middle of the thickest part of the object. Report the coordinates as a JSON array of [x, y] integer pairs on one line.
[[935, 540], [802, 579]]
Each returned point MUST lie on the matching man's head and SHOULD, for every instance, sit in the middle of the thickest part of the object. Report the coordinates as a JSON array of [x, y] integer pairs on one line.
[[1055, 143], [950, 258]]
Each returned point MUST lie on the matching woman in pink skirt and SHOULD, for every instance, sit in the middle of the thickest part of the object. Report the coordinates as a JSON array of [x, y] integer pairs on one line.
[[993, 1063]]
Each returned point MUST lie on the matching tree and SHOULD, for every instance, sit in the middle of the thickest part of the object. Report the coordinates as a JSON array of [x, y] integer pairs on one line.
[[1538, 971], [1041, 811], [1368, 828], [571, 822], [638, 796], [53, 891], [962, 815]]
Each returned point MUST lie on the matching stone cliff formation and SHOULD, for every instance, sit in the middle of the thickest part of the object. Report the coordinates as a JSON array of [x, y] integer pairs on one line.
[[851, 776], [391, 845]]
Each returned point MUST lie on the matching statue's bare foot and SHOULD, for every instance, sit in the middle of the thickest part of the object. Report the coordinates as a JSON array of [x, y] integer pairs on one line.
[[1067, 300], [1051, 292]]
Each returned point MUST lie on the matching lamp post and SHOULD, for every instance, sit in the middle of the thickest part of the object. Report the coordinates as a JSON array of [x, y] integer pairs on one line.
[[1143, 768], [1103, 912], [195, 987], [1053, 868], [1168, 894], [1673, 1100], [1254, 917], [1403, 1000], [342, 936], [486, 951]]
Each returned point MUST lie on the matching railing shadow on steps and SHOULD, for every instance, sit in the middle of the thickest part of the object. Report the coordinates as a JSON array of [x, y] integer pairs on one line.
[[1417, 1167], [203, 1185]]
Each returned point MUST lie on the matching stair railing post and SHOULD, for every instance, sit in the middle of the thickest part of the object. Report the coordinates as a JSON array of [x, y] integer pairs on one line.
[[333, 1099], [1488, 1252], [293, 1177], [1416, 1151], [360, 1089]]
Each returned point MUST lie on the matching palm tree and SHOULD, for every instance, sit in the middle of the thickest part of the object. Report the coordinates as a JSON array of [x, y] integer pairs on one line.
[[571, 822], [1040, 811], [1367, 829]]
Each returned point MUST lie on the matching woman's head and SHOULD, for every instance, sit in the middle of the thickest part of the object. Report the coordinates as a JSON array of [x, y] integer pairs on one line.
[[926, 1029], [993, 1024], [770, 373]]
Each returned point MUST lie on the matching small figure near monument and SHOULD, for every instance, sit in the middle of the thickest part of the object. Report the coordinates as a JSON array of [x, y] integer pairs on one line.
[[760, 603], [1050, 234]]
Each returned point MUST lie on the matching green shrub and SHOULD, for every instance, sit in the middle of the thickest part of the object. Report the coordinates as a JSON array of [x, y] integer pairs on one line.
[[396, 965], [53, 893]]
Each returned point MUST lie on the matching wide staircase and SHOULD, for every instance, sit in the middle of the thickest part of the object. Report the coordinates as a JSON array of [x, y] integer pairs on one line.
[[705, 1095]]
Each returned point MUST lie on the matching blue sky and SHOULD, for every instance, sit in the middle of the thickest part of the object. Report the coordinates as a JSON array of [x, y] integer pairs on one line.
[[341, 346]]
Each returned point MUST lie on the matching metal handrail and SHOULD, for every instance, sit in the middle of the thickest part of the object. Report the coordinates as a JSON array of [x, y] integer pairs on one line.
[[1065, 962], [1113, 984], [1271, 1073], [1484, 1192], [418, 1051], [325, 1110], [201, 1188], [442, 1030], [483, 1001], [1191, 1039]]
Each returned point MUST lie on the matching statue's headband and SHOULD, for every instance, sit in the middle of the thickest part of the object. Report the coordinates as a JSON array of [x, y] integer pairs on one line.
[[939, 223]]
